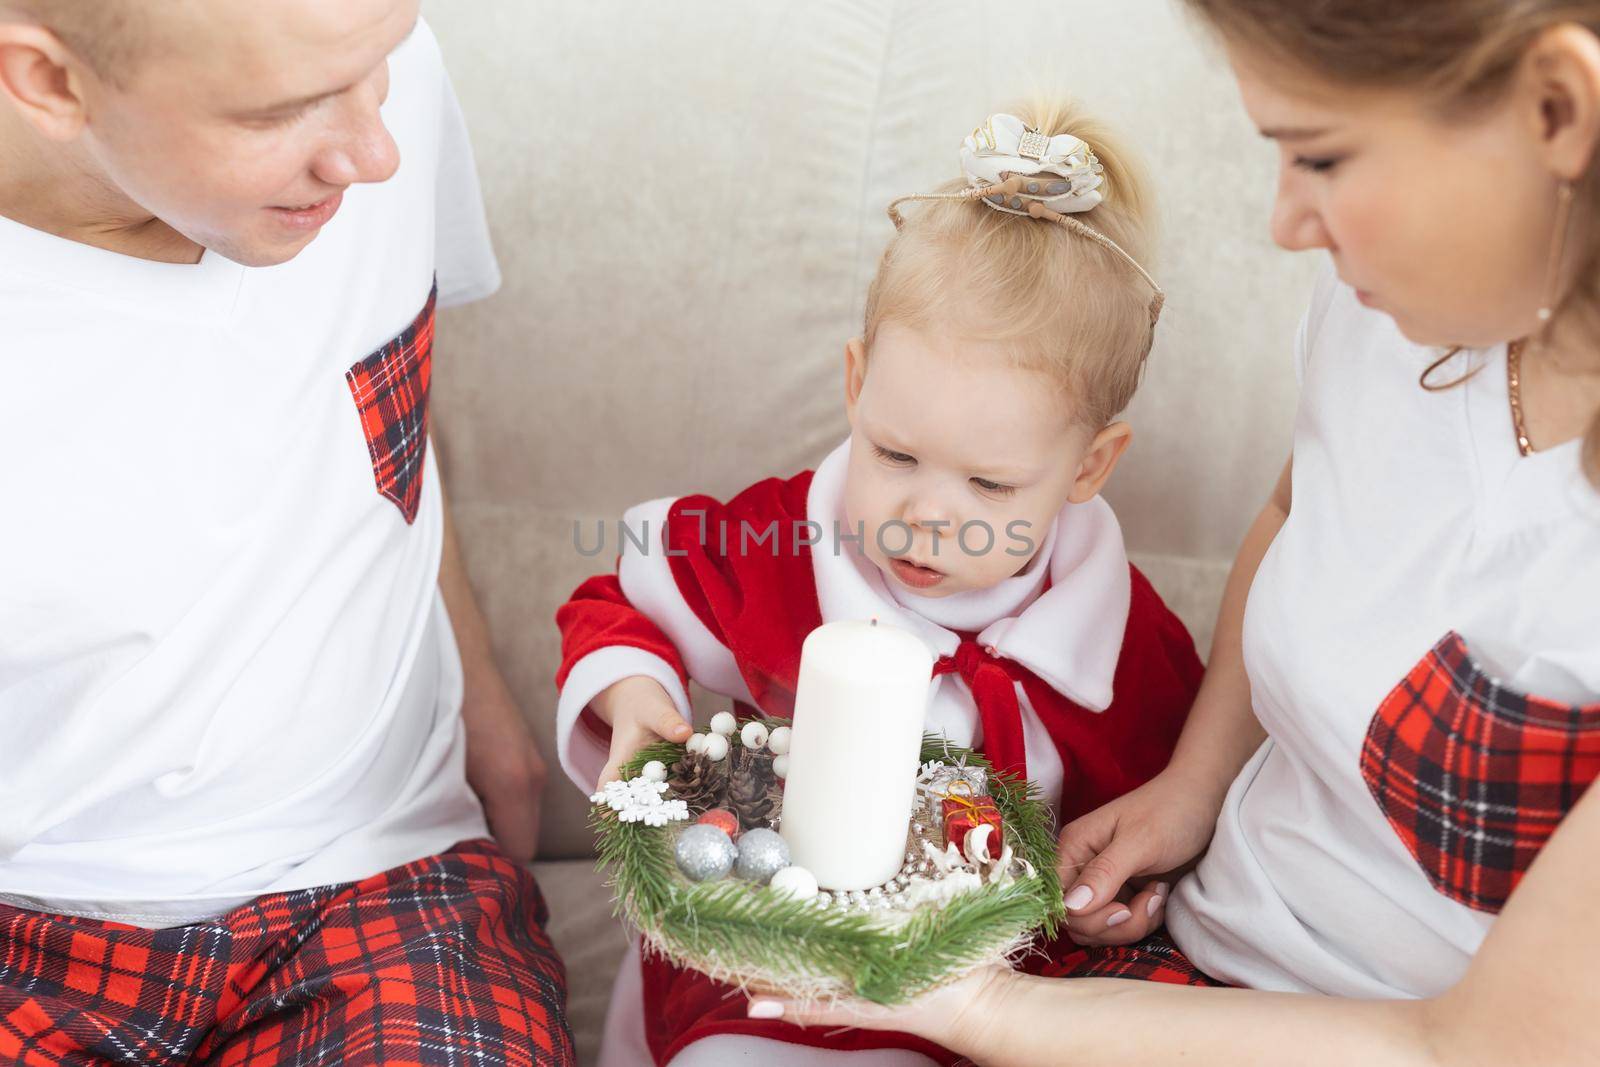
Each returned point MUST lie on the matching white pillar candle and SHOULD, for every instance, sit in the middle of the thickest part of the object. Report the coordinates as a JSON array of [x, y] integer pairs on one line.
[[858, 719]]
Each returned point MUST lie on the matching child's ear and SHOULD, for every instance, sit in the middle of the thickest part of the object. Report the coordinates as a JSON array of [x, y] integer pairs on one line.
[[855, 374], [1101, 459]]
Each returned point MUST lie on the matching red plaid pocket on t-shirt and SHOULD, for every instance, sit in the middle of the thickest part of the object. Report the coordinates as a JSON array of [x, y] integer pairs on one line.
[[1474, 777], [391, 391]]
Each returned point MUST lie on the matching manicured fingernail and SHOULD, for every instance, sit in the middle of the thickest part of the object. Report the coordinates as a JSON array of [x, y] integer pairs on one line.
[[1079, 898], [1118, 918], [764, 1009], [1153, 905], [1161, 889]]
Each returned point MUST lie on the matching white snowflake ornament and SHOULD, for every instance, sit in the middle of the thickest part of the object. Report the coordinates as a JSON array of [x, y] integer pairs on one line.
[[641, 800]]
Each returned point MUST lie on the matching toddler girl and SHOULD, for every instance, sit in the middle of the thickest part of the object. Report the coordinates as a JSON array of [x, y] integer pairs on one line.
[[1006, 329]]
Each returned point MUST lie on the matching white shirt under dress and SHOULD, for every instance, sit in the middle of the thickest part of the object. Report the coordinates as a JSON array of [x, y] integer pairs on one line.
[[1423, 646], [225, 667]]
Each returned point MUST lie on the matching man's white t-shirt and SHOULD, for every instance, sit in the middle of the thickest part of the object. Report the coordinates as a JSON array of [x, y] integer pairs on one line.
[[225, 667], [1428, 579]]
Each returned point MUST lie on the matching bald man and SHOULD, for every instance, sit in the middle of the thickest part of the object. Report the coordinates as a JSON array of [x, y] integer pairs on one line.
[[252, 739]]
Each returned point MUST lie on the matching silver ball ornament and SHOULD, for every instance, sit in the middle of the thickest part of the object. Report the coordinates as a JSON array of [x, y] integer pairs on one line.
[[705, 853], [762, 853]]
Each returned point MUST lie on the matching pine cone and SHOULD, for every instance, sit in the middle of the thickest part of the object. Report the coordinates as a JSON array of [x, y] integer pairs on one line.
[[750, 793], [698, 782]]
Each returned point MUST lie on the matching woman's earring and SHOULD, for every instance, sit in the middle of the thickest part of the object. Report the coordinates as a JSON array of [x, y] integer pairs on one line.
[[1558, 245]]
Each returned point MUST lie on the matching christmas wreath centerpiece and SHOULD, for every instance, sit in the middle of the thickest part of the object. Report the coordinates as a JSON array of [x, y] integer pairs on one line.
[[690, 840]]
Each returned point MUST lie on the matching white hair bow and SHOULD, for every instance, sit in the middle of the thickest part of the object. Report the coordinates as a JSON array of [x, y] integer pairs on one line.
[[1020, 171], [1060, 172]]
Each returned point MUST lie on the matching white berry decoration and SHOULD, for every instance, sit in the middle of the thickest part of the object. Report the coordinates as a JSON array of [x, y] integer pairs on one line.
[[796, 882], [724, 723], [778, 741], [780, 765], [654, 771], [716, 748], [695, 744], [754, 736]]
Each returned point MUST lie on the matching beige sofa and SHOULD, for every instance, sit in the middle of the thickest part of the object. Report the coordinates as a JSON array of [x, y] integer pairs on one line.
[[687, 198]]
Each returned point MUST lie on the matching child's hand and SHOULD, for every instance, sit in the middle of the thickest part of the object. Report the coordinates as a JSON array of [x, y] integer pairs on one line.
[[640, 712], [1146, 835]]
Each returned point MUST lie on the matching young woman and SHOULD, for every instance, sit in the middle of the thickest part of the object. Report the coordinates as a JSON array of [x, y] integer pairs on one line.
[[1414, 619]]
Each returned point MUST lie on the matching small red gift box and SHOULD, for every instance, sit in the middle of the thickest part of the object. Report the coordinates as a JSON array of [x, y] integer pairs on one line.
[[962, 814]]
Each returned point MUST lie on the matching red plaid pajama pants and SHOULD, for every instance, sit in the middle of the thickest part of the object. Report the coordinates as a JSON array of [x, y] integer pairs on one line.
[[442, 961], [1155, 959]]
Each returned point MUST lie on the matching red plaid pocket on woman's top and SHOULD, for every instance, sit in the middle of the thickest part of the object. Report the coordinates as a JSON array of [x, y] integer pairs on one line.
[[391, 392], [1474, 777]]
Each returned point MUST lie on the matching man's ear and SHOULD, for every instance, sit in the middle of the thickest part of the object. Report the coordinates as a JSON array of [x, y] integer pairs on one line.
[[1105, 450], [43, 80], [855, 375]]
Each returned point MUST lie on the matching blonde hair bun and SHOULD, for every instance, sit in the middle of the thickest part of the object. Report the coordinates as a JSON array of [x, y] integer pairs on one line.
[[1070, 299]]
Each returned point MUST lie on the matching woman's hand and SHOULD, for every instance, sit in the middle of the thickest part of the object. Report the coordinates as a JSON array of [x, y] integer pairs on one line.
[[951, 1015], [1152, 832], [1145, 837], [640, 713]]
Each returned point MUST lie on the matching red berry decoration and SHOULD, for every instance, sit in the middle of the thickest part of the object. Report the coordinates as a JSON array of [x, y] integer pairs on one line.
[[723, 820]]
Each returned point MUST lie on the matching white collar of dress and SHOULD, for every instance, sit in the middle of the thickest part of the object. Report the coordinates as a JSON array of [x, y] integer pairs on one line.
[[1069, 635]]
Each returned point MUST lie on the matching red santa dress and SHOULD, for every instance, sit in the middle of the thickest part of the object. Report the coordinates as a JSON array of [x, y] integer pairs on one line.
[[1073, 672]]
